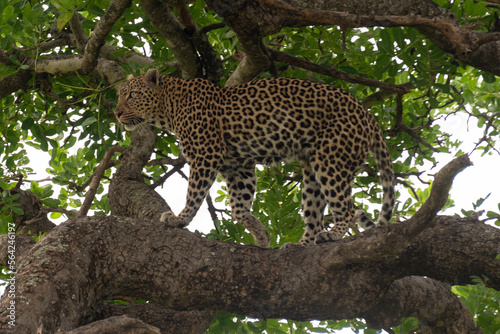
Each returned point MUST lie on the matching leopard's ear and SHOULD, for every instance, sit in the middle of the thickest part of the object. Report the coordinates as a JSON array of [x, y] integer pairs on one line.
[[152, 78]]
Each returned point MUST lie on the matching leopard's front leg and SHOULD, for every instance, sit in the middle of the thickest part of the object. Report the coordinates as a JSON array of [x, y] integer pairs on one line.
[[201, 179]]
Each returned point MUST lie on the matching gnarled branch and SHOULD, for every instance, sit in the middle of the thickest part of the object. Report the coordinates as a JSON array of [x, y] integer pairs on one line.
[[178, 270]]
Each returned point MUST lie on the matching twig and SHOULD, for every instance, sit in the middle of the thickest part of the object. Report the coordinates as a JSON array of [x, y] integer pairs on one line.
[[165, 176], [47, 209], [167, 161], [48, 179], [401, 127], [18, 176], [212, 211], [407, 185], [334, 73], [81, 187], [96, 178], [417, 137], [383, 94], [211, 27]]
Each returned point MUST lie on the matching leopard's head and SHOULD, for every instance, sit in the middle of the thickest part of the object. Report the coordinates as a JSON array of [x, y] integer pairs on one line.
[[139, 99]]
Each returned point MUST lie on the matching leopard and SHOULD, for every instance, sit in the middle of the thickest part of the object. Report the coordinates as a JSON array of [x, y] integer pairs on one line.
[[230, 130]]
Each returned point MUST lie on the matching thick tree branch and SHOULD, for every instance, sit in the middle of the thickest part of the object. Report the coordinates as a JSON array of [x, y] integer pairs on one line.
[[33, 219], [265, 277], [101, 30], [23, 243], [440, 188], [99, 258], [162, 17], [105, 69], [106, 51], [255, 61], [250, 24], [79, 35], [122, 325], [211, 63], [441, 27], [177, 270], [169, 321], [21, 81], [400, 300], [341, 18], [128, 194]]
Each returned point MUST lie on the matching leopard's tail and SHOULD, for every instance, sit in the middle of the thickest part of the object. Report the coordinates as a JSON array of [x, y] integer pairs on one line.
[[381, 154]]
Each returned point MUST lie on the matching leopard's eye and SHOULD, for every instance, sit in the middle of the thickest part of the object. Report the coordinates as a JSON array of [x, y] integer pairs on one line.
[[132, 94]]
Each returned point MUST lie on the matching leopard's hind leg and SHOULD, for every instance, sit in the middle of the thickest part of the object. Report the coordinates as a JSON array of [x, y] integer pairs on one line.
[[335, 167], [339, 201], [313, 205]]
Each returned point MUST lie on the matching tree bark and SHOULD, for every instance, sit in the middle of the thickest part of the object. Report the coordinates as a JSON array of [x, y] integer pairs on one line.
[[98, 258], [97, 39], [161, 15]]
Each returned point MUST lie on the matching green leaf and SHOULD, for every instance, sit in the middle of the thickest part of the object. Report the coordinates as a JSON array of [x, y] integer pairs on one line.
[[55, 215], [11, 198], [17, 211], [63, 19], [63, 5], [14, 60], [488, 77], [6, 14], [89, 121], [27, 14]]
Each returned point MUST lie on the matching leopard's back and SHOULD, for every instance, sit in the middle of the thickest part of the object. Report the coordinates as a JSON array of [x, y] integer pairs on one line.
[[281, 119]]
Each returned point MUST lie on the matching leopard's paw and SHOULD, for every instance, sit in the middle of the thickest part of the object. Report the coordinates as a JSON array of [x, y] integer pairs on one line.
[[172, 220], [262, 240], [299, 244], [329, 236]]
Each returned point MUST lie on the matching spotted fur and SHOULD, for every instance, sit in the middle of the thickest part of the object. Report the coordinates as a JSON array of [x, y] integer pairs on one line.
[[230, 130]]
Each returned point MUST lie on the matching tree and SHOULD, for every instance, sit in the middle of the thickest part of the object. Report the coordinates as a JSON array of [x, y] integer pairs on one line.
[[413, 63]]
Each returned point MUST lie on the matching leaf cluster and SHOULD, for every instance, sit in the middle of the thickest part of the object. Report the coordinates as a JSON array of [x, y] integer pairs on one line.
[[483, 304]]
